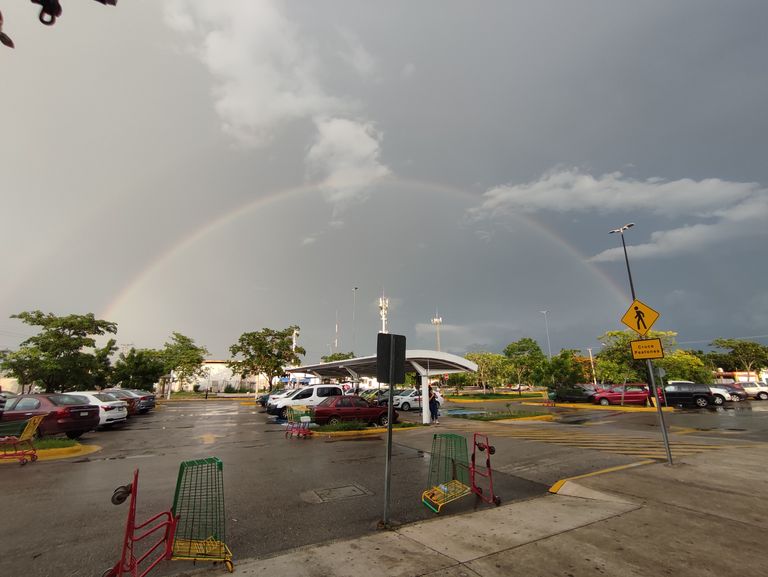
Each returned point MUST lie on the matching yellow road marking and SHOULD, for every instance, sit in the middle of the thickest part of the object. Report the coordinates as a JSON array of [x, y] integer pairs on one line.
[[559, 485]]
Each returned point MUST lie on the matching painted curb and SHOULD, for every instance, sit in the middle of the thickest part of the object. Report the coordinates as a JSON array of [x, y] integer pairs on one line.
[[588, 407], [559, 485], [62, 453], [534, 418], [512, 398], [363, 433]]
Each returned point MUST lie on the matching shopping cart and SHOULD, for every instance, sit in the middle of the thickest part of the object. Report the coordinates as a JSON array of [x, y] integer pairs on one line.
[[16, 440], [137, 558], [193, 529], [448, 471], [199, 507], [299, 419]]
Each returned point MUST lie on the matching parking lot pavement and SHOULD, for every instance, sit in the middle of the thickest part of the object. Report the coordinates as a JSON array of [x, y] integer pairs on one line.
[[274, 488]]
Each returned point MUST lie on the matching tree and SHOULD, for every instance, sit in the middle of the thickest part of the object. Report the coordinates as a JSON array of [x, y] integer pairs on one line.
[[139, 369], [563, 369], [492, 368], [609, 371], [337, 357], [616, 348], [524, 355], [267, 351], [684, 366], [747, 354], [182, 356], [102, 365], [60, 356]]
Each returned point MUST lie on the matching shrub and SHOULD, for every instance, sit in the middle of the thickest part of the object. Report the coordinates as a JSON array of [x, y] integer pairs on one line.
[[195, 388], [230, 389]]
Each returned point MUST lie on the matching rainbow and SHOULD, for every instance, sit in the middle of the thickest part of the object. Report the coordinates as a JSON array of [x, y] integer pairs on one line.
[[230, 217]]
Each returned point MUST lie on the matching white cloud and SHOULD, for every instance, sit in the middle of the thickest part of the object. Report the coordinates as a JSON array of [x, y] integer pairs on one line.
[[356, 56], [345, 156], [730, 210], [265, 74]]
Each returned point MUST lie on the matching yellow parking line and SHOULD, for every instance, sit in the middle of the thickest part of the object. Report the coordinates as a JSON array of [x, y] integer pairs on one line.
[[559, 484]]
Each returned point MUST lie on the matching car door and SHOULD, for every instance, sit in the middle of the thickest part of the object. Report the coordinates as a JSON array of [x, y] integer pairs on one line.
[[345, 409], [25, 408], [363, 410]]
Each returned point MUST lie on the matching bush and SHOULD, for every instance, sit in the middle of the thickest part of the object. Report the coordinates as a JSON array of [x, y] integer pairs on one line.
[[230, 389], [195, 388]]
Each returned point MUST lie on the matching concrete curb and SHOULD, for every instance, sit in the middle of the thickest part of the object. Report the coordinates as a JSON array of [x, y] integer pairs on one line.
[[589, 407], [512, 397], [568, 487], [363, 432], [62, 453], [534, 418]]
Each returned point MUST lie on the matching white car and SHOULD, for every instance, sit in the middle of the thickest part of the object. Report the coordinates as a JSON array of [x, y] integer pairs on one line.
[[308, 397], [721, 394], [407, 400], [111, 409], [755, 390]]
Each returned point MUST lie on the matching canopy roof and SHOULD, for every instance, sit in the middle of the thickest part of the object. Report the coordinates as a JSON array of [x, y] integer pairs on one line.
[[425, 363]]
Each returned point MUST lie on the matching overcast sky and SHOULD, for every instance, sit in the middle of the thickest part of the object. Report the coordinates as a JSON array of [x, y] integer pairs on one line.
[[216, 167]]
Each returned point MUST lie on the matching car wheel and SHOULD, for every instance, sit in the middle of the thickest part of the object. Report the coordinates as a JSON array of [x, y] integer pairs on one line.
[[701, 402], [605, 402], [736, 398], [75, 434], [406, 406], [383, 420], [334, 420], [762, 396], [719, 400], [283, 413]]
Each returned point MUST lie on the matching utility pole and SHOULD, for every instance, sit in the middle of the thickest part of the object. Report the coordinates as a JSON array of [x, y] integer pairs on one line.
[[383, 308], [437, 321]]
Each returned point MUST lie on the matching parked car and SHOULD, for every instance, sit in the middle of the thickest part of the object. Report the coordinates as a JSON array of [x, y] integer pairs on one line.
[[755, 390], [720, 393], [112, 411], [407, 400], [737, 392], [72, 415], [145, 401], [612, 395], [579, 393], [334, 410], [131, 399], [308, 396], [380, 397], [273, 398], [689, 394], [263, 398]]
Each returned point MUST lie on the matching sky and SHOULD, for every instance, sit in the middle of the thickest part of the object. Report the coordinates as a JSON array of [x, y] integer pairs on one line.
[[217, 167]]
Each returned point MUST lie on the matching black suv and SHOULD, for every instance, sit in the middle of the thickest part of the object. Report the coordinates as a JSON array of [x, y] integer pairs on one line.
[[689, 394], [575, 393]]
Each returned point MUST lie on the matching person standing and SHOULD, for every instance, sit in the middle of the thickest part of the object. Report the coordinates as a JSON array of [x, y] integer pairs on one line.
[[433, 406]]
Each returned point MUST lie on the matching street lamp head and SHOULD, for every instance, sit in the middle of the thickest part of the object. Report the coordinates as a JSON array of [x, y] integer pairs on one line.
[[623, 228]]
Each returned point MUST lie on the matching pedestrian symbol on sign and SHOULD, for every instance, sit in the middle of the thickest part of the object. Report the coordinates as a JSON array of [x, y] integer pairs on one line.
[[640, 317]]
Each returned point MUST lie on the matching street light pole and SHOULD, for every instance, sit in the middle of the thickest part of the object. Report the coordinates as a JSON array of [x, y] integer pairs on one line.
[[648, 364], [621, 230], [437, 321], [546, 327], [354, 302], [592, 362]]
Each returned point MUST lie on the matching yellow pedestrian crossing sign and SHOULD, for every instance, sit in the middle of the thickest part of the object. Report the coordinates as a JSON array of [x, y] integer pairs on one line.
[[640, 317]]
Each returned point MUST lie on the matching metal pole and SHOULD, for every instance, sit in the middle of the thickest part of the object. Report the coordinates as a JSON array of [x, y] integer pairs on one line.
[[629, 272], [546, 327], [592, 362], [354, 302], [387, 467], [664, 435]]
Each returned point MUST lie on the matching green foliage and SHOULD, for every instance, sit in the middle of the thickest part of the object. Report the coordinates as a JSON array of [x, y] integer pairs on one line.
[[63, 355], [492, 368], [684, 366], [337, 357], [616, 348], [525, 357], [609, 371], [230, 389], [747, 355], [182, 356], [267, 351], [563, 369], [139, 369]]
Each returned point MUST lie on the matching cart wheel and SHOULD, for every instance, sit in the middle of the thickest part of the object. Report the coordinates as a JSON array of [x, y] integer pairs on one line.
[[109, 573], [497, 500], [22, 461], [491, 450], [33, 458], [230, 566], [481, 446], [479, 490], [121, 494]]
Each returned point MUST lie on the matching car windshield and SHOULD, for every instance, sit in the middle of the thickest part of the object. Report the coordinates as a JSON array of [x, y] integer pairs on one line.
[[326, 401], [68, 400], [106, 397]]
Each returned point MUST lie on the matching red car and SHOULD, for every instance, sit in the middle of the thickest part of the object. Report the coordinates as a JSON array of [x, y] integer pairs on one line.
[[611, 395], [333, 410], [68, 414], [131, 399]]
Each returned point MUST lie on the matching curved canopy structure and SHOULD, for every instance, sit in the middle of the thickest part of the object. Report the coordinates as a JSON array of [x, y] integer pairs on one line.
[[424, 363]]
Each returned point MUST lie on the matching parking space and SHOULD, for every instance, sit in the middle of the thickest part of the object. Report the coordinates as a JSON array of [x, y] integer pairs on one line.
[[280, 493]]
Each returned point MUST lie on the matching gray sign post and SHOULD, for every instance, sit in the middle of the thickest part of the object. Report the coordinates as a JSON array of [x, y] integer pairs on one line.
[[390, 368]]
